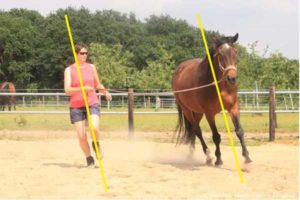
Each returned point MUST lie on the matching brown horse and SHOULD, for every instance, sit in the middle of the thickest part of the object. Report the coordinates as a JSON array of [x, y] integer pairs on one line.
[[7, 100], [196, 96]]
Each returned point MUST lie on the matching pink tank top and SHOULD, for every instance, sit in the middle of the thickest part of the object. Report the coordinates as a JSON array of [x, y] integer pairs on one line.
[[76, 99]]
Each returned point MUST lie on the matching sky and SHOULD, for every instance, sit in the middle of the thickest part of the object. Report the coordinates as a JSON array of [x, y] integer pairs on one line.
[[272, 23]]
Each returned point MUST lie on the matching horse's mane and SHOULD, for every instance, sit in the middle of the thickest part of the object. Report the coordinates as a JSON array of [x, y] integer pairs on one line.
[[216, 44]]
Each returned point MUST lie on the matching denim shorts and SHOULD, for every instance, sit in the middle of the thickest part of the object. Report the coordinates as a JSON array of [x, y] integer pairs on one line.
[[80, 114]]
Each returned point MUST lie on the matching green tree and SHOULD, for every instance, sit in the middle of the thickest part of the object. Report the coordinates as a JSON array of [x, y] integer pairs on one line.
[[158, 74], [250, 67], [113, 64], [19, 46], [34, 50], [281, 72]]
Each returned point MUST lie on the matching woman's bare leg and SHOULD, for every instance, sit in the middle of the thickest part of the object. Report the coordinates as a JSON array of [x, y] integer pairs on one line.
[[80, 129]]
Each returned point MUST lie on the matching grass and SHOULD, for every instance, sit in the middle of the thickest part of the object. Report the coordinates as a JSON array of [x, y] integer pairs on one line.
[[255, 123], [157, 128]]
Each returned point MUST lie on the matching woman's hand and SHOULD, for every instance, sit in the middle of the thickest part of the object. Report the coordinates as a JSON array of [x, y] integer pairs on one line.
[[107, 96], [88, 88]]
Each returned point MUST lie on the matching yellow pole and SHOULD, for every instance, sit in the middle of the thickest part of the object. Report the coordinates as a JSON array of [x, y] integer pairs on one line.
[[220, 100], [86, 103]]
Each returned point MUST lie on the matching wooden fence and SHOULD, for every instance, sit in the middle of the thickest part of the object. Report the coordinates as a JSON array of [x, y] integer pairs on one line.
[[60, 99]]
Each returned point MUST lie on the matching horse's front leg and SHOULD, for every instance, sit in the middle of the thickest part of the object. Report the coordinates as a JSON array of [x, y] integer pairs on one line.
[[235, 117]]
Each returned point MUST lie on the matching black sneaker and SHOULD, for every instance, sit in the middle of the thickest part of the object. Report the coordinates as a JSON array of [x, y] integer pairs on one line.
[[99, 148], [90, 161]]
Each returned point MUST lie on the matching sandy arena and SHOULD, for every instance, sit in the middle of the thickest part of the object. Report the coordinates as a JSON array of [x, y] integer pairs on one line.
[[45, 165]]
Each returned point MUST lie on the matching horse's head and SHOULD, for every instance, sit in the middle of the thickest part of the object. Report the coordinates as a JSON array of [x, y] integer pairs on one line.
[[225, 56]]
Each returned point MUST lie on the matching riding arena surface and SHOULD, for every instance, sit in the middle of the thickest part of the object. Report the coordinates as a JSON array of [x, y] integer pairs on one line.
[[50, 165]]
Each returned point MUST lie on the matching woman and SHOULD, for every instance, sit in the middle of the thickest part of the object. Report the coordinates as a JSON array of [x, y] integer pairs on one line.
[[78, 112]]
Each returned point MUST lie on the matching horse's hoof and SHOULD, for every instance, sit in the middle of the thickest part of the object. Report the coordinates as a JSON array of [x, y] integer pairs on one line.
[[218, 163], [209, 161], [248, 160]]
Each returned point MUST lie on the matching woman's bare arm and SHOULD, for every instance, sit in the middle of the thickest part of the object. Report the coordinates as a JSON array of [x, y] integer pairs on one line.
[[99, 86]]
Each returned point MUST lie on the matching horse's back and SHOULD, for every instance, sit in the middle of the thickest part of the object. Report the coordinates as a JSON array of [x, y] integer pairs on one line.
[[188, 63], [184, 69]]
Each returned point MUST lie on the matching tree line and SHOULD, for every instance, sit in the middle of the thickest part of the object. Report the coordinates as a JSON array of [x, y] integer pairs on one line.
[[34, 50]]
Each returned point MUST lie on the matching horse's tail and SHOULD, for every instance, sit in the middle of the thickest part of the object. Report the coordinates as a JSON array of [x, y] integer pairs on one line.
[[184, 129]]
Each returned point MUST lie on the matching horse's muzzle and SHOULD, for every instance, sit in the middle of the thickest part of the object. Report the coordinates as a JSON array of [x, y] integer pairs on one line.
[[232, 80]]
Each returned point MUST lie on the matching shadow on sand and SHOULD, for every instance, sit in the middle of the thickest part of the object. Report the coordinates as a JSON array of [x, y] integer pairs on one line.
[[68, 165]]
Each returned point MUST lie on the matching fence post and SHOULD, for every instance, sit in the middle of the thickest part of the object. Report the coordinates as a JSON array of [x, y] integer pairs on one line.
[[157, 103], [272, 115], [130, 113], [23, 101], [108, 105], [149, 102], [292, 103], [57, 99], [257, 100]]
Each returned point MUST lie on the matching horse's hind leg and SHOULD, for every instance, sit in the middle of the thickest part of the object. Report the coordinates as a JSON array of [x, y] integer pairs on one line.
[[14, 102], [191, 126], [198, 133], [216, 138]]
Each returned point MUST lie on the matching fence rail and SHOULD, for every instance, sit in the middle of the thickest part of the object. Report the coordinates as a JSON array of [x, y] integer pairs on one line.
[[140, 93], [135, 113], [287, 101], [272, 102]]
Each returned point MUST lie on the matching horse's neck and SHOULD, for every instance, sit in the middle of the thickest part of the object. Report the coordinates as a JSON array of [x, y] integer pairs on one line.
[[216, 68]]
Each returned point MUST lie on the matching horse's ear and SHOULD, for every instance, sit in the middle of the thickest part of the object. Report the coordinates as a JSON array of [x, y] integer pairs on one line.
[[214, 39], [234, 38], [215, 42]]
